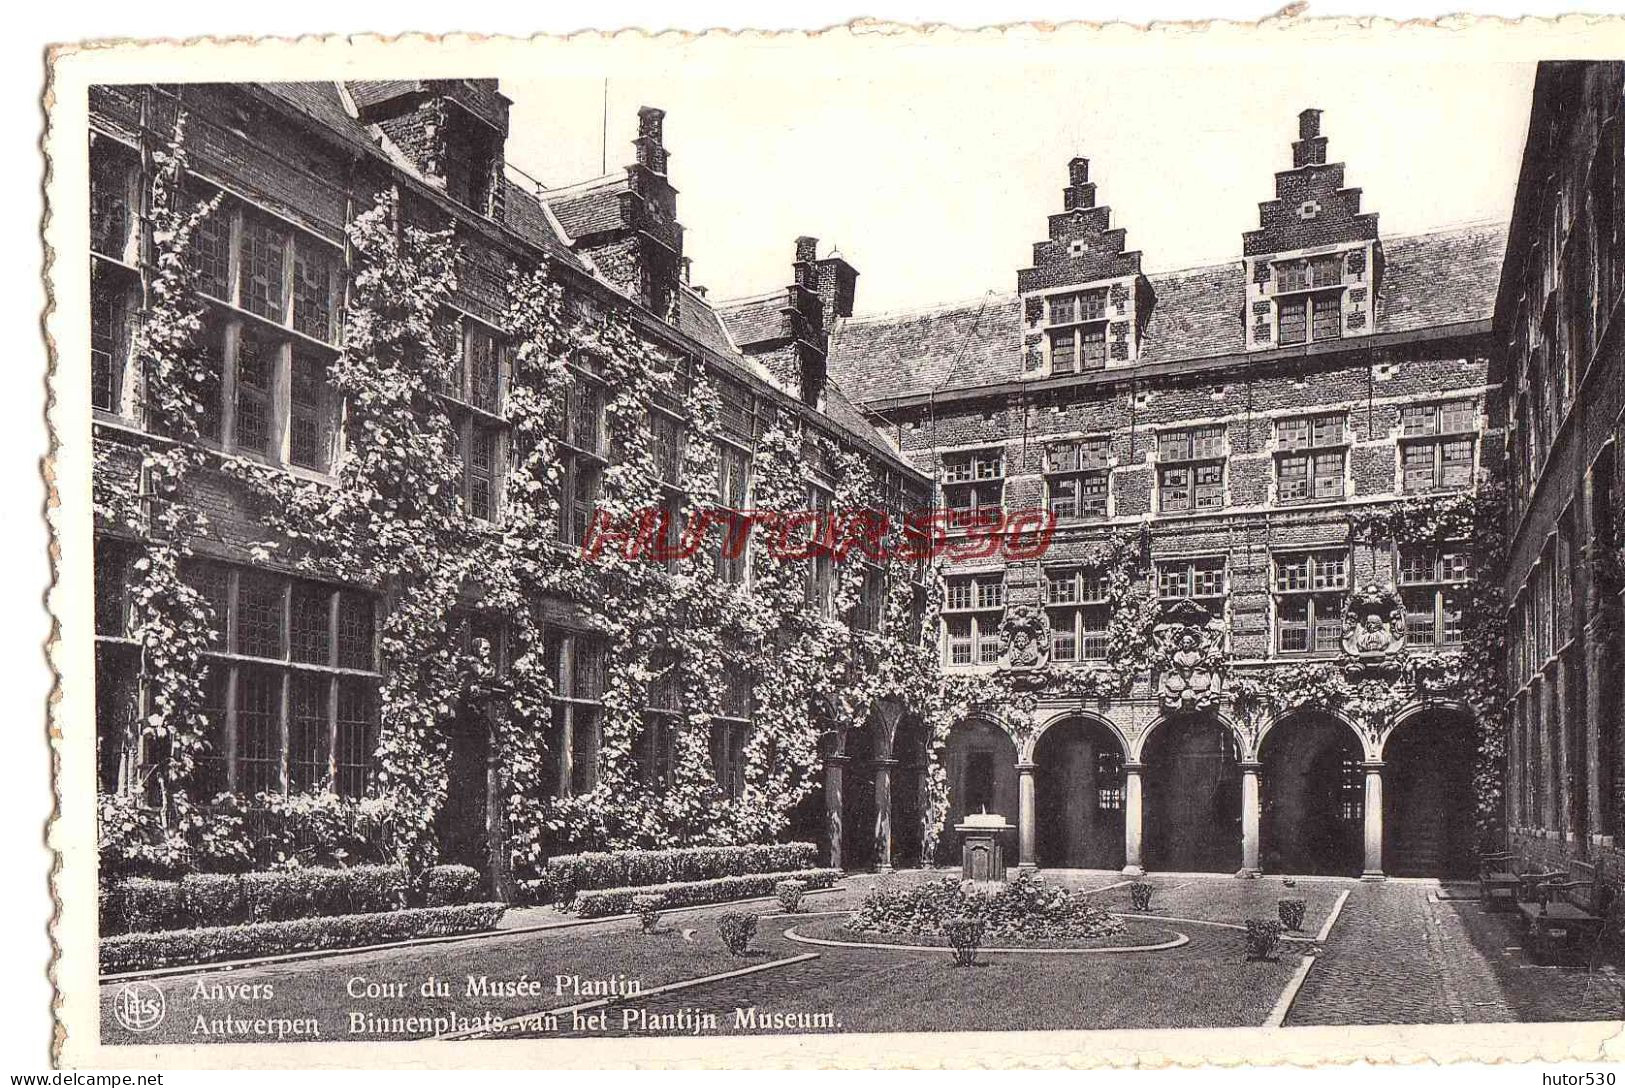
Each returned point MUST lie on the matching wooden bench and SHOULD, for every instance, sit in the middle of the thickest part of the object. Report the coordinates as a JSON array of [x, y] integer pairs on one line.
[[1566, 915], [1498, 881]]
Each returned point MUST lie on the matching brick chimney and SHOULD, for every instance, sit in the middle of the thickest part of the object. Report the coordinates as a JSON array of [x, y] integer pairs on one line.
[[832, 279], [452, 130], [1309, 149]]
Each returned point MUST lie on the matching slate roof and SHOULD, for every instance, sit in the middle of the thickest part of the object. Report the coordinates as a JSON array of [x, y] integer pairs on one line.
[[755, 319], [1438, 278], [590, 207]]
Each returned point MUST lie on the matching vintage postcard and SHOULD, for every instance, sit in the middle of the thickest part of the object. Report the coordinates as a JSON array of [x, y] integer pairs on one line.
[[1035, 546]]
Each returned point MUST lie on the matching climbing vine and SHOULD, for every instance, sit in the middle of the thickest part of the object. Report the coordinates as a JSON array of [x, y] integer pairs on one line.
[[170, 622]]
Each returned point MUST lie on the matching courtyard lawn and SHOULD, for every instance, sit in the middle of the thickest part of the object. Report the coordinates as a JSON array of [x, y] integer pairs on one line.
[[319, 988]]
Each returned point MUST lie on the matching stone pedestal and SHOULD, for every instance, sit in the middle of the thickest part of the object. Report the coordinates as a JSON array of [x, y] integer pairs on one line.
[[983, 846]]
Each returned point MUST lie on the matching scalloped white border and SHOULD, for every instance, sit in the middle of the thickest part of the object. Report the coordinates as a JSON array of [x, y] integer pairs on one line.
[[71, 833]]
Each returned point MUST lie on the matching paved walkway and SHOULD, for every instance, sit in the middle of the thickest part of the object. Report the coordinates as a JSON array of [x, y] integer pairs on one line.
[[1399, 955]]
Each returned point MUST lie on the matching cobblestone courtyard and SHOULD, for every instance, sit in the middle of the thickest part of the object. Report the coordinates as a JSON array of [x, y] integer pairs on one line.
[[1393, 953]]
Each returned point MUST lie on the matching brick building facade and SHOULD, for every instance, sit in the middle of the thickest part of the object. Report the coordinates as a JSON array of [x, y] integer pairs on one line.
[[1233, 424], [295, 666], [1558, 361]]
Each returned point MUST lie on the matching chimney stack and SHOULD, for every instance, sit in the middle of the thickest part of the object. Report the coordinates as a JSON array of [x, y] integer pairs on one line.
[[1079, 192], [832, 279], [1310, 147], [650, 146]]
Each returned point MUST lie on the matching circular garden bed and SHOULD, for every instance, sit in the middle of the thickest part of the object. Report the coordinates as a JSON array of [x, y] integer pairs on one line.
[[1141, 937]]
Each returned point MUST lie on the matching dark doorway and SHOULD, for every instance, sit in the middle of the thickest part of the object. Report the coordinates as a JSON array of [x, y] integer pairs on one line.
[[1313, 794], [1080, 787], [1192, 797], [858, 800], [911, 749], [463, 823], [1428, 806]]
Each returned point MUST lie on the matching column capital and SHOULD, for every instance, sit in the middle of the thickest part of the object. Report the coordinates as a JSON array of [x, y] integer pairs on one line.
[[1026, 766], [838, 759], [1249, 766], [1372, 765], [886, 761], [1133, 766]]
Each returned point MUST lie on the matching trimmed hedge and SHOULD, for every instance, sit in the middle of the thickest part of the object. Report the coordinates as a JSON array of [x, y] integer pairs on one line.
[[142, 905], [451, 885], [140, 951], [605, 901], [568, 874]]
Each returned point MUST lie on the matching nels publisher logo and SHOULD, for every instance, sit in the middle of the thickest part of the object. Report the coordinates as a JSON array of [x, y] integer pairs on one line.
[[139, 1006]]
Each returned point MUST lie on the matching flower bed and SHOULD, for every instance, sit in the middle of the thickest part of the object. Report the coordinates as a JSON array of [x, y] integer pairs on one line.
[[1024, 911], [140, 951], [597, 904], [1132, 936]]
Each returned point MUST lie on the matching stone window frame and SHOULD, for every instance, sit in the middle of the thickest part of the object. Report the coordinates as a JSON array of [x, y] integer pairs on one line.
[[1431, 440], [1314, 447], [1430, 579], [974, 625], [229, 322], [1081, 466], [574, 661], [1321, 592], [337, 758], [1189, 566], [1080, 613], [972, 484], [582, 452], [1181, 450], [732, 505], [1082, 324]]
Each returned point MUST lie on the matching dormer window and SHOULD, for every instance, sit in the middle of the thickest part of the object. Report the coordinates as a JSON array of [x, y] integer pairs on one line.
[[1077, 331]]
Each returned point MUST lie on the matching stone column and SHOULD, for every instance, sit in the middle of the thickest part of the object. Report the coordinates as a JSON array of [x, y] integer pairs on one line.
[[1373, 821], [1249, 820], [834, 774], [883, 860], [1027, 817], [1131, 819]]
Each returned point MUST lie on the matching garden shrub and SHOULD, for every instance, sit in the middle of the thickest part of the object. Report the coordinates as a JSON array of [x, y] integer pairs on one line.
[[141, 951], [568, 874], [736, 929], [145, 903], [597, 904], [648, 909], [1263, 934], [449, 885], [964, 933], [1025, 909], [212, 899], [1291, 909], [141, 904], [790, 893], [1139, 893]]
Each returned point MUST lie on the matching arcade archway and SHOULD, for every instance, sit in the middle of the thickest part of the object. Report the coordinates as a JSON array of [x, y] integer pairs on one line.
[[1192, 797], [1080, 795], [1313, 793], [1428, 804]]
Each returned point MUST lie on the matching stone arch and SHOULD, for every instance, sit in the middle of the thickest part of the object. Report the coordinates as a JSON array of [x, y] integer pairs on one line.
[[910, 787], [1030, 744], [1429, 807], [1080, 792], [1136, 749], [1369, 747], [1192, 789], [1311, 794]]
